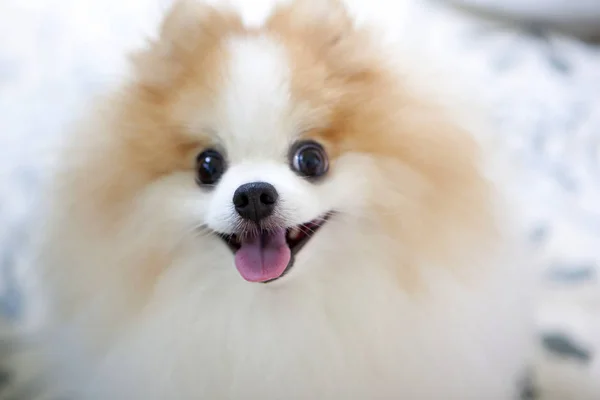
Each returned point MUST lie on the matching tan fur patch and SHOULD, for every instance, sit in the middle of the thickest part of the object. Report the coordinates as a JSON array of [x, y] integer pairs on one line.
[[147, 139], [431, 197]]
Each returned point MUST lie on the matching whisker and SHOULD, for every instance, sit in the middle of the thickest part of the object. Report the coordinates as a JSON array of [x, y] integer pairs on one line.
[[306, 230]]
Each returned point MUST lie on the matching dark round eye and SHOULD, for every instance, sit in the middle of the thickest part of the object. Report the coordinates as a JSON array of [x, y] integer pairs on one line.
[[210, 166], [309, 159]]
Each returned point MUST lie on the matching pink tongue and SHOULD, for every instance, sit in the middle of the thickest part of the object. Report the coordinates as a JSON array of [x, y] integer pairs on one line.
[[262, 258]]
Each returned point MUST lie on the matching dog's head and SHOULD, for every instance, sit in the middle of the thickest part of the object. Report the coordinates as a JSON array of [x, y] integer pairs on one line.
[[287, 143]]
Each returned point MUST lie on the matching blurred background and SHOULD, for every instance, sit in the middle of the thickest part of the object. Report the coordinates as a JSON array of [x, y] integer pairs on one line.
[[536, 63]]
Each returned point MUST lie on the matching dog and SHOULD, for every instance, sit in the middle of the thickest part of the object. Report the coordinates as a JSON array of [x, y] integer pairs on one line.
[[277, 211]]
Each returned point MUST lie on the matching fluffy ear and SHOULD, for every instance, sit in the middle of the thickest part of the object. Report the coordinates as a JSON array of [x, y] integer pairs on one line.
[[189, 28], [324, 22]]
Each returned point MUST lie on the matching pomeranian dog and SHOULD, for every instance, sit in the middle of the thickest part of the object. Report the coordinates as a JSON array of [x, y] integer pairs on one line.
[[278, 212]]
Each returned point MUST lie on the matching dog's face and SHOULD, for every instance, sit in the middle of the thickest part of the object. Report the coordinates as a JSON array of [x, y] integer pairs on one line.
[[267, 177], [282, 145], [268, 182]]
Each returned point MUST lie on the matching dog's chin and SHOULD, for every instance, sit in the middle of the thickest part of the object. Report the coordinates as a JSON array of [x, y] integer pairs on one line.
[[291, 241]]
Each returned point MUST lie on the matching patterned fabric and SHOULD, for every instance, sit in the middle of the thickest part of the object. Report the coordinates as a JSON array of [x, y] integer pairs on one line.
[[545, 89]]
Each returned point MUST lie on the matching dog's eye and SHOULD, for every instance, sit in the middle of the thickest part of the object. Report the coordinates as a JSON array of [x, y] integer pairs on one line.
[[210, 166], [309, 159]]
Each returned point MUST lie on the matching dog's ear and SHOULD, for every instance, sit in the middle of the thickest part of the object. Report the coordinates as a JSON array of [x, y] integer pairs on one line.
[[187, 31], [324, 23], [327, 28], [189, 24]]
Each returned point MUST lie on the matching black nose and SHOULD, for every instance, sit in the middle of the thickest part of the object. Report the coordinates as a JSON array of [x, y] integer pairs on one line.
[[255, 201]]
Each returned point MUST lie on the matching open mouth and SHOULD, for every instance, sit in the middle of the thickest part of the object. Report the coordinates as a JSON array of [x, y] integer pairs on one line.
[[268, 255]]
